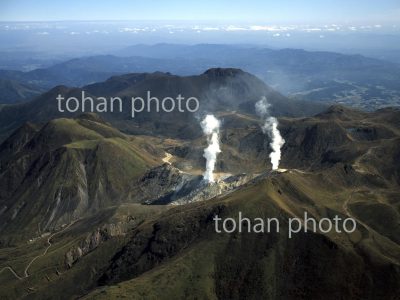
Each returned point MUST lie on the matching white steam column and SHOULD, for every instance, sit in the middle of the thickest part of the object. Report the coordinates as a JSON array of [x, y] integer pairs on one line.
[[270, 127], [210, 126]]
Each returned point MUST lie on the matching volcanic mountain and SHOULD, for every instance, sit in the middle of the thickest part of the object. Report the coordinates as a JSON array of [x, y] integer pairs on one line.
[[82, 170], [101, 214], [216, 90]]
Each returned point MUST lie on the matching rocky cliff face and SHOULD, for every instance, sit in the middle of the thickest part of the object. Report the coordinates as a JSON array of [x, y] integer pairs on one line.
[[94, 239], [158, 182], [166, 184], [205, 191]]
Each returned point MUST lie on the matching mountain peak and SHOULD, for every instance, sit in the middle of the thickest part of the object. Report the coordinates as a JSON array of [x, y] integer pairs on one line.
[[91, 117], [222, 72], [341, 112]]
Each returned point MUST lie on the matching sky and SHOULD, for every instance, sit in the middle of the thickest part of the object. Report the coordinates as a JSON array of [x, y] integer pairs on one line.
[[276, 11]]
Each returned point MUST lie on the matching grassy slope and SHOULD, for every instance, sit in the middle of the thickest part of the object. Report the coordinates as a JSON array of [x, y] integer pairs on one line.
[[71, 158]]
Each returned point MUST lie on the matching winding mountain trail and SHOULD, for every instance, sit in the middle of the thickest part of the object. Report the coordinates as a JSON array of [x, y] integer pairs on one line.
[[47, 248], [26, 274], [12, 272]]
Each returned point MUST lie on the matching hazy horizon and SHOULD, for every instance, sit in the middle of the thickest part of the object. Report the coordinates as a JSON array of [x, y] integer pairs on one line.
[[283, 12], [91, 27]]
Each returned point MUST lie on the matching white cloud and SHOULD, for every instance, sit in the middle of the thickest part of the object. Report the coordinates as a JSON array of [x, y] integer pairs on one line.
[[235, 28], [313, 29], [211, 29]]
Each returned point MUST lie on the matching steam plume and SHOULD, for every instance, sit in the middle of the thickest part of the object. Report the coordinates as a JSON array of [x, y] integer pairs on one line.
[[210, 126], [270, 127]]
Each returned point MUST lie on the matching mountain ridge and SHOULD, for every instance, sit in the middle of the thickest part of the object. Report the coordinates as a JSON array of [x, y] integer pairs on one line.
[[232, 91]]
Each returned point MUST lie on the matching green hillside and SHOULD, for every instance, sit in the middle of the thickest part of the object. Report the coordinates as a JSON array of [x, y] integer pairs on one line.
[[74, 167]]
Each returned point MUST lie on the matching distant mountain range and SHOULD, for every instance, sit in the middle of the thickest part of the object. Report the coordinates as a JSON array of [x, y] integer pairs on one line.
[[316, 76], [12, 91]]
